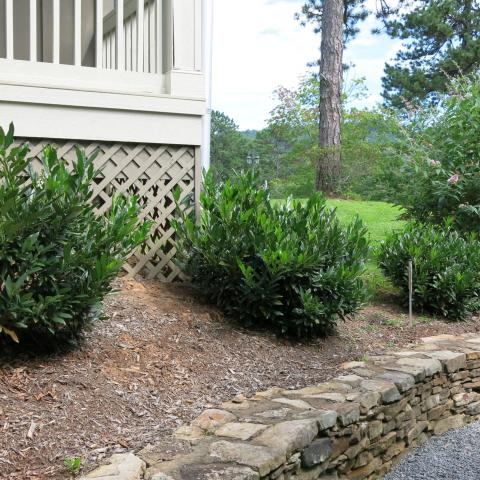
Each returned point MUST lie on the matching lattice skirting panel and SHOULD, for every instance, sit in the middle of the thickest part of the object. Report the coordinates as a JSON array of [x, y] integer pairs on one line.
[[151, 172]]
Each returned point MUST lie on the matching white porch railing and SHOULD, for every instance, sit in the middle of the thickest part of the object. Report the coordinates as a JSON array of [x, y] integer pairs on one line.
[[142, 46], [124, 37]]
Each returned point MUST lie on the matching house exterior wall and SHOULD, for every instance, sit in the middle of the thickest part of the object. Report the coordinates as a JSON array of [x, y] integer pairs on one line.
[[149, 126]]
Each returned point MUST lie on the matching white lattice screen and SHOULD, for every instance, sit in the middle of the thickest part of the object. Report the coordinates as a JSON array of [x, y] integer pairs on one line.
[[151, 172]]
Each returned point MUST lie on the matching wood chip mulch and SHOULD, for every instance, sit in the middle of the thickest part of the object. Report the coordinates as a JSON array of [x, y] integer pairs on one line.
[[160, 358]]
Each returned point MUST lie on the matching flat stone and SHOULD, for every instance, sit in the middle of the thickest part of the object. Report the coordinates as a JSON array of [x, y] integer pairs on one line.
[[449, 423], [348, 413], [375, 429], [274, 414], [418, 373], [191, 433], [408, 353], [353, 380], [326, 419], [387, 390], [288, 437], [350, 365], [432, 401], [332, 396], [306, 391], [270, 393], [364, 472], [451, 361], [241, 431], [431, 366], [260, 458], [123, 466], [293, 402], [367, 400], [317, 452], [462, 399], [212, 419], [403, 381], [334, 386], [217, 471], [365, 372], [473, 408]]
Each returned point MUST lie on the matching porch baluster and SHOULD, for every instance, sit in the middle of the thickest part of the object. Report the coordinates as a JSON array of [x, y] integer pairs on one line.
[[56, 31], [78, 32], [99, 33], [140, 32], [120, 43], [9, 28], [33, 30]]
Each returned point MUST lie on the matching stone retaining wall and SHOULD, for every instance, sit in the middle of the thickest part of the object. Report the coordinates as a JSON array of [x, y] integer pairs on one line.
[[354, 427]]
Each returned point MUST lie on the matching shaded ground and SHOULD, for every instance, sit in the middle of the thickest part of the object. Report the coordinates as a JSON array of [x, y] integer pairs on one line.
[[161, 358]]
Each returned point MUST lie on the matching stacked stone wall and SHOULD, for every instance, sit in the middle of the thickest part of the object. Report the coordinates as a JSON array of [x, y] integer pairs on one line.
[[354, 427]]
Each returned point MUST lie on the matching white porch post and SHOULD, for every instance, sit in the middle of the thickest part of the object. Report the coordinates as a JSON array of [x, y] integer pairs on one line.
[[207, 56], [183, 25]]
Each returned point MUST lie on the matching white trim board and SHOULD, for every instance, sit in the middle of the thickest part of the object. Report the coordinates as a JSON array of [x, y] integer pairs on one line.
[[105, 101], [63, 122]]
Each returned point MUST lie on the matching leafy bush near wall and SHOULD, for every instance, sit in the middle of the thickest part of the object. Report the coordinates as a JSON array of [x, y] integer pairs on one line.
[[291, 267], [444, 180], [446, 268], [57, 258]]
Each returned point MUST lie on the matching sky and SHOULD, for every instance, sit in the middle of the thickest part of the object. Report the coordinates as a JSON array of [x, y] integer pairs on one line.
[[258, 45]]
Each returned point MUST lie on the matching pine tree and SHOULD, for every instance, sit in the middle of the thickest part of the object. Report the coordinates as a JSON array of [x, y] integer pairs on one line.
[[337, 21], [441, 39]]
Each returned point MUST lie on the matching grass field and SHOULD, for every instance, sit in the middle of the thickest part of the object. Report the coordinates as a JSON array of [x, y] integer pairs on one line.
[[379, 217]]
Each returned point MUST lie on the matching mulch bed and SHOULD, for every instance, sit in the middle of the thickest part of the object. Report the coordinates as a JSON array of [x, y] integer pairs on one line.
[[159, 360]]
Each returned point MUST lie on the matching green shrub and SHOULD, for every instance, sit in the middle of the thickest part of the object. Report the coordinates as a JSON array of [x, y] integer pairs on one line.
[[290, 267], [446, 268], [444, 180], [57, 258]]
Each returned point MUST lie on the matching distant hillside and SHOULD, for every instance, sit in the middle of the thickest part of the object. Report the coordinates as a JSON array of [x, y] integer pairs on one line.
[[249, 133]]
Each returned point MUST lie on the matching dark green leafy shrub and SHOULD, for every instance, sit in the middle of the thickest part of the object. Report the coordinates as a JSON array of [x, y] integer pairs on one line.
[[443, 181], [291, 267], [57, 258], [446, 268]]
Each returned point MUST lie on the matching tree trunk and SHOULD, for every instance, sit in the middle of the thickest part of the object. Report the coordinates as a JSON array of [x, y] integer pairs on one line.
[[331, 70]]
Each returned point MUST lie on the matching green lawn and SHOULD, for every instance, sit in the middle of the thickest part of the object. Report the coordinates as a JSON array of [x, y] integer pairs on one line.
[[379, 217]]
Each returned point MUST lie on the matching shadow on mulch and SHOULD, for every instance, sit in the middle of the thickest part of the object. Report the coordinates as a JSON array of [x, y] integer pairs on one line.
[[160, 358]]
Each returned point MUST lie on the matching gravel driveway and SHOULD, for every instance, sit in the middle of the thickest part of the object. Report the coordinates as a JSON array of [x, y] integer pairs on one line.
[[455, 455]]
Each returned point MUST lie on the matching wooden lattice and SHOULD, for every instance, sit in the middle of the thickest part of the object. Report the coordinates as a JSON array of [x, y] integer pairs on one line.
[[149, 171]]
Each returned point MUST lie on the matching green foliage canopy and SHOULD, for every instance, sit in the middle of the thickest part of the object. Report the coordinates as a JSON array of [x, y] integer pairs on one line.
[[443, 175], [229, 148], [441, 40]]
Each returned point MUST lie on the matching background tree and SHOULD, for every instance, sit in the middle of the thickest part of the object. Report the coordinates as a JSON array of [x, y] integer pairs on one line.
[[229, 147], [441, 40], [354, 11], [337, 21], [330, 115]]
